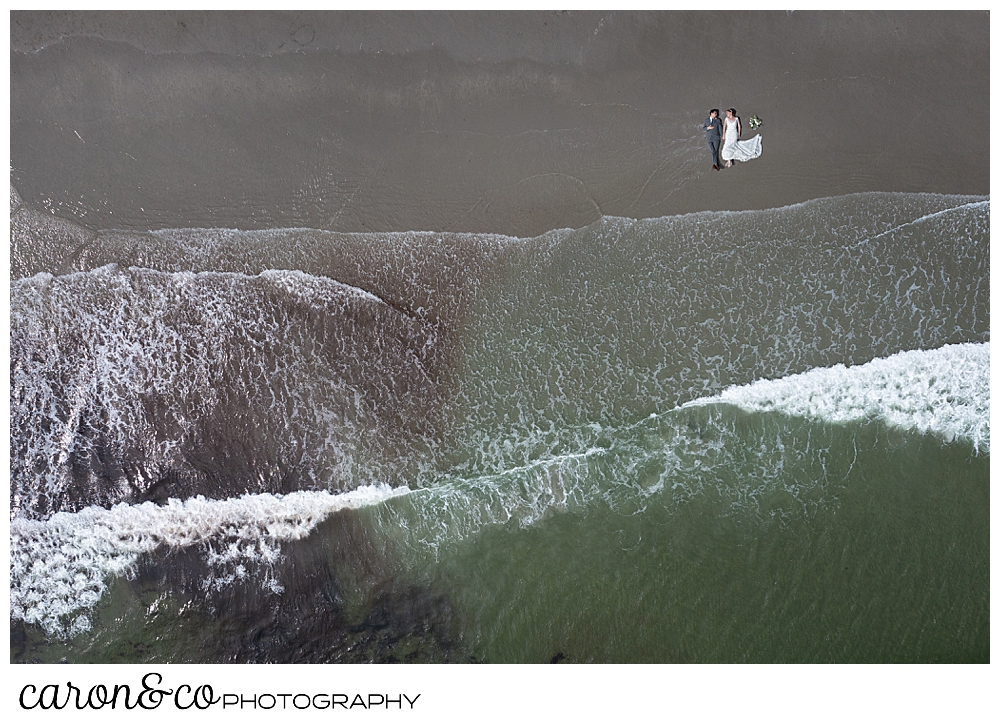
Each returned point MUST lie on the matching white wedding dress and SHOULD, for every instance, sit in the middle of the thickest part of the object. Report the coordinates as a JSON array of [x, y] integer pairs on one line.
[[735, 150]]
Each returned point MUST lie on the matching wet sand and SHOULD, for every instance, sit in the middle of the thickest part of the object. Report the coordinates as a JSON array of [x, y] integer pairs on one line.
[[514, 123]]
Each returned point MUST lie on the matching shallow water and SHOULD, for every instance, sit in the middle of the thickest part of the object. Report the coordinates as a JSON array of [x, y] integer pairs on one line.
[[301, 445]]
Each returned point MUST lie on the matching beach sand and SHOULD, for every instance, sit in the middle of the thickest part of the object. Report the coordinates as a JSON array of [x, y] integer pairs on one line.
[[514, 123]]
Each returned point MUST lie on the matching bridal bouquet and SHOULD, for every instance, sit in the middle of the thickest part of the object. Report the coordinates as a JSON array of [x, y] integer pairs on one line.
[[754, 122]]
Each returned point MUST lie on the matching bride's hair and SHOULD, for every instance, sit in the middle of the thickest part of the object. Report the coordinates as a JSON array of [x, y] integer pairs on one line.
[[733, 111]]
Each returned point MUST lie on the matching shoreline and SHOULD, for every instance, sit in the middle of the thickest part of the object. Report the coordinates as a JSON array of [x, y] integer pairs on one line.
[[75, 229]]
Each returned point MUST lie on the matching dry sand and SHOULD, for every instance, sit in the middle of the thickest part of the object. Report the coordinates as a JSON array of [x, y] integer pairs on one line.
[[496, 122]]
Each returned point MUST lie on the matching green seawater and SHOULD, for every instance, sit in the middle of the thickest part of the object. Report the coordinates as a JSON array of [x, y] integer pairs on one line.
[[895, 570], [582, 493], [875, 549]]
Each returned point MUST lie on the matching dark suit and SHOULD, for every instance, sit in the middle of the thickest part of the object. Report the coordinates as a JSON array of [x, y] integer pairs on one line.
[[713, 136]]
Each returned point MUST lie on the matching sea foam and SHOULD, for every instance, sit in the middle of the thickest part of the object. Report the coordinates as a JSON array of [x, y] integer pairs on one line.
[[671, 457], [60, 567], [121, 378], [943, 392]]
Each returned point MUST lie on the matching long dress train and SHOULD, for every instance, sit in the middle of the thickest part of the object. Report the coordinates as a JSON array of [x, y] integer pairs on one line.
[[739, 150]]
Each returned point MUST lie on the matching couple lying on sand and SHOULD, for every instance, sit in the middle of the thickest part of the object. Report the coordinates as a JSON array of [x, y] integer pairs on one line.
[[727, 132]]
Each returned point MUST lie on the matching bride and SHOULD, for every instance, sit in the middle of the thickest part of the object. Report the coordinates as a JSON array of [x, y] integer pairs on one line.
[[733, 149]]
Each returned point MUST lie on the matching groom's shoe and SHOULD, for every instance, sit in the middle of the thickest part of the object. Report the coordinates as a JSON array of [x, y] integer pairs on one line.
[[715, 167]]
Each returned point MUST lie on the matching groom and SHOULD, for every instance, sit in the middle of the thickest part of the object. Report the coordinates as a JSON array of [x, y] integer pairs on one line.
[[713, 134]]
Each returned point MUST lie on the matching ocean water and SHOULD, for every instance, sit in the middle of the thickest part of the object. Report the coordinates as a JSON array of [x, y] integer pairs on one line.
[[755, 436]]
